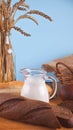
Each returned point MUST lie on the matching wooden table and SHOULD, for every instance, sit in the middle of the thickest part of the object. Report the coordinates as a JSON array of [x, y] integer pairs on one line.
[[12, 125]]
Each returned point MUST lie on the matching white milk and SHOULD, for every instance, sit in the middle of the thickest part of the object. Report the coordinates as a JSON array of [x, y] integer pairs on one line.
[[35, 88]]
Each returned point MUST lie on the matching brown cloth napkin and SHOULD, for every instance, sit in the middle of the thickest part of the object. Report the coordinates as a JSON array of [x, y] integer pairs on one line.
[[29, 111]]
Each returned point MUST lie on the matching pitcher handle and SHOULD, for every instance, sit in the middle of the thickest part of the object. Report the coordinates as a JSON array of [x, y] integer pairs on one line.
[[55, 87]]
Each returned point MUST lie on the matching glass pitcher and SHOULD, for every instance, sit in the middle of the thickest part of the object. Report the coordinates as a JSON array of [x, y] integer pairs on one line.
[[34, 85]]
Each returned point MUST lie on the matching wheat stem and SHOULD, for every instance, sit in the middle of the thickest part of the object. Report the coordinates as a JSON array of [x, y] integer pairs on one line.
[[21, 31], [16, 5], [22, 9], [26, 16], [40, 13], [25, 5], [9, 2]]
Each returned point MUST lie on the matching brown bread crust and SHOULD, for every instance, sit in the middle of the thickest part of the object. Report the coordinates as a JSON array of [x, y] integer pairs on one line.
[[30, 111], [64, 115], [67, 104]]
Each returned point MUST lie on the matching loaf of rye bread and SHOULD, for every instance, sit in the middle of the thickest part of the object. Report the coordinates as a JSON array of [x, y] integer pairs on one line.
[[64, 115], [67, 104], [34, 112], [25, 110]]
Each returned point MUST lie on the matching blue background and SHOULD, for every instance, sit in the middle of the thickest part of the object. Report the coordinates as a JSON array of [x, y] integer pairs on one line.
[[49, 40]]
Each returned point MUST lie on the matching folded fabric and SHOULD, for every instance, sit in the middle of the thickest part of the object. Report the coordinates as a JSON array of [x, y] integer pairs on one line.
[[51, 65], [29, 111]]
